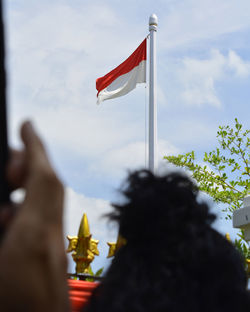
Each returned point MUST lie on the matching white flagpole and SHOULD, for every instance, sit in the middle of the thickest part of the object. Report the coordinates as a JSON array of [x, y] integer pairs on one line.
[[152, 157]]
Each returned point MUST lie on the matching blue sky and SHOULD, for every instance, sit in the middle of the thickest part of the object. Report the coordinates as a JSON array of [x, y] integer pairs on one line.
[[56, 49]]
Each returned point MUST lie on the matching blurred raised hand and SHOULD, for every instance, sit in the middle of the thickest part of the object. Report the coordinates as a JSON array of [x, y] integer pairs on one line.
[[32, 256]]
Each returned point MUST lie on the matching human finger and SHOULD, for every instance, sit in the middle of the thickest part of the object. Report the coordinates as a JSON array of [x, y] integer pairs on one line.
[[36, 155], [44, 191]]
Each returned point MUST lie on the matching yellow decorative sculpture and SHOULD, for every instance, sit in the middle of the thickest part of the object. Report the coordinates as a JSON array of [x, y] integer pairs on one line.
[[83, 247], [114, 247]]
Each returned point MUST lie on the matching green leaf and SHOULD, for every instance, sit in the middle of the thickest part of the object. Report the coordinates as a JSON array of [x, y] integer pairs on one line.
[[99, 272]]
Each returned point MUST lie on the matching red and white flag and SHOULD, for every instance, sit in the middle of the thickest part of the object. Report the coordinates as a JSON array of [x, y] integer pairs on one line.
[[123, 78]]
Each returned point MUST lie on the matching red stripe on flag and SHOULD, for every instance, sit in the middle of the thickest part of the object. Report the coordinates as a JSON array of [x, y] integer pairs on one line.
[[140, 54]]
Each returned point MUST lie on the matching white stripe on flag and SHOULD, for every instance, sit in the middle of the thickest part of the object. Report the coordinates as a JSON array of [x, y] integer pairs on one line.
[[124, 83]]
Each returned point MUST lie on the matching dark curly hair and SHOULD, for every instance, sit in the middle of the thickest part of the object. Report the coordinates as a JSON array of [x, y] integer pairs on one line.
[[173, 260]]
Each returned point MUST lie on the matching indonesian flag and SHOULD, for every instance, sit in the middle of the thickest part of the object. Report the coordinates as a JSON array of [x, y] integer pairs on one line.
[[123, 78]]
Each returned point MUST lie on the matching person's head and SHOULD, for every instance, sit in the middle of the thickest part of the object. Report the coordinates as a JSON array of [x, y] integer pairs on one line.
[[173, 259]]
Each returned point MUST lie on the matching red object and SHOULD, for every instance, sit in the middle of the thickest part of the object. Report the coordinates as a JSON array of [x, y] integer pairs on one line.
[[140, 54], [79, 293]]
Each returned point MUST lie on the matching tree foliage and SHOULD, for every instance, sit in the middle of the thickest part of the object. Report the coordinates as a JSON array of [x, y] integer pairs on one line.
[[225, 171]]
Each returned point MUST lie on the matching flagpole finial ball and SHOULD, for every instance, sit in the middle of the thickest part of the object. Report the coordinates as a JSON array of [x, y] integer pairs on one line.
[[153, 22]]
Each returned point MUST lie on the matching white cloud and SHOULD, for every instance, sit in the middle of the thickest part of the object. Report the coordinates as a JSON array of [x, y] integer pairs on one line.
[[130, 156], [52, 53], [237, 65], [199, 76], [190, 21]]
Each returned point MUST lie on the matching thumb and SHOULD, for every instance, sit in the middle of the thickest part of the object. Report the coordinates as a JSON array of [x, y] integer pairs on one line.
[[35, 152]]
